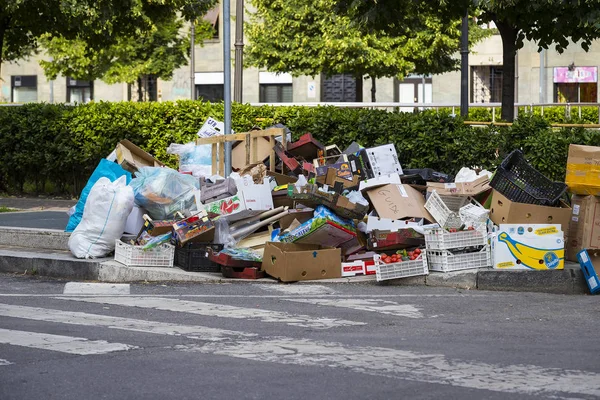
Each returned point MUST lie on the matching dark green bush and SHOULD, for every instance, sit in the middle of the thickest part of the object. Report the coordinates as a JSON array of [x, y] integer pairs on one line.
[[60, 145]]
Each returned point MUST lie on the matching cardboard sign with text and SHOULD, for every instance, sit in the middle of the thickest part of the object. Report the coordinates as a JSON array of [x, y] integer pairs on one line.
[[399, 202]]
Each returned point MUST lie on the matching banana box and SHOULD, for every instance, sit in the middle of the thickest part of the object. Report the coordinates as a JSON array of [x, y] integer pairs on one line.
[[528, 247]]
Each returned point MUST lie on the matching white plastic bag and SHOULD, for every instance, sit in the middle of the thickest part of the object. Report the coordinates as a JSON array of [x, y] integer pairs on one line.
[[192, 158], [106, 210], [469, 175]]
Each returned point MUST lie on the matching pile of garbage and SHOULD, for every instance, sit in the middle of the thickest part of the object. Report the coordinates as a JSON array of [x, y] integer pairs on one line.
[[310, 211]]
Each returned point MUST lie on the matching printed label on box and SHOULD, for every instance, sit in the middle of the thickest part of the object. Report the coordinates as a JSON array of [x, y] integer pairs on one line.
[[575, 219], [576, 209], [584, 257], [592, 282], [546, 231], [450, 185], [402, 191]]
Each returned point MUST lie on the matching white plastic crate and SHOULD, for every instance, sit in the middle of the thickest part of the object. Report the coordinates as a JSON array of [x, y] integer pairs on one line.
[[446, 261], [402, 269], [441, 239], [444, 215], [135, 256], [473, 215]]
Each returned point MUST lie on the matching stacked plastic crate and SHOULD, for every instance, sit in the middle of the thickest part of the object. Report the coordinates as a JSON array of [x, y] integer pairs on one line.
[[457, 250]]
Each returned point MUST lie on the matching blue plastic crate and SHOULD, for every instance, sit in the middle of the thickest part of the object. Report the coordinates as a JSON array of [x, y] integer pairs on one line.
[[590, 265]]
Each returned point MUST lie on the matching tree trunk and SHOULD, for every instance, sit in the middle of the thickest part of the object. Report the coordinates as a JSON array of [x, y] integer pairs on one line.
[[373, 89], [509, 51], [359, 89], [140, 92]]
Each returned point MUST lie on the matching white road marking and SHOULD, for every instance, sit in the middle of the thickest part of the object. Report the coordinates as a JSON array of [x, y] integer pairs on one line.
[[63, 344], [127, 324], [305, 290], [96, 288], [220, 310], [412, 366], [372, 305], [4, 362], [261, 296]]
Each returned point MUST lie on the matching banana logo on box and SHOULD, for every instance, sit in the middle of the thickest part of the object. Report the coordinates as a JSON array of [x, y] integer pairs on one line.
[[532, 257]]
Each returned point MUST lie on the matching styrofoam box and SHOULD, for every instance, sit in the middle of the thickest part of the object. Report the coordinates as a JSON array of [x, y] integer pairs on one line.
[[384, 160], [441, 239], [135, 256], [402, 269], [446, 261]]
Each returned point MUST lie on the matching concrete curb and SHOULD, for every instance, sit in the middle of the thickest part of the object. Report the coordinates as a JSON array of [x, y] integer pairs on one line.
[[61, 264], [34, 238]]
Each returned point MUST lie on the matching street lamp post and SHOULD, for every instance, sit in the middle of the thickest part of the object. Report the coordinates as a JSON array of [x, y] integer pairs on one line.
[[238, 78], [227, 81], [464, 66]]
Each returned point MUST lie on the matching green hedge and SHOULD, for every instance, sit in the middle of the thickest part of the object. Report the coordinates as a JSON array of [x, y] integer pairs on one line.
[[56, 147]]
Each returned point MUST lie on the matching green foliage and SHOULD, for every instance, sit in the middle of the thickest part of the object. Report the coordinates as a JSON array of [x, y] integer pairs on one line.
[[59, 146], [305, 37]]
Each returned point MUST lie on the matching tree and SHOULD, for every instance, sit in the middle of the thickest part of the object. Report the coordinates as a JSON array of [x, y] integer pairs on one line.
[[548, 22], [154, 53], [97, 24], [305, 37]]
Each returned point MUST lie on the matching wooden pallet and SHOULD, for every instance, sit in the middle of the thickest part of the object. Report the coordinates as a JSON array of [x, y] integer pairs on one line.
[[250, 140]]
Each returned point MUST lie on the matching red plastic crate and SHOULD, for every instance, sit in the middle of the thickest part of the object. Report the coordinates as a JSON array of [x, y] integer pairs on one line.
[[242, 272]]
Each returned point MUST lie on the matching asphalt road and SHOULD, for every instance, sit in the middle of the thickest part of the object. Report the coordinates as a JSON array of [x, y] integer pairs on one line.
[[35, 219], [254, 341]]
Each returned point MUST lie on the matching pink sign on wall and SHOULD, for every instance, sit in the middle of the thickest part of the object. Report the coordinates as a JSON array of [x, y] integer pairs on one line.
[[578, 75]]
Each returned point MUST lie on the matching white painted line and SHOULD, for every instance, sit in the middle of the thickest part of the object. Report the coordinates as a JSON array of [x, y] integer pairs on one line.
[[371, 305], [407, 365], [220, 310], [4, 362], [96, 288], [63, 344], [127, 324], [261, 296], [305, 290]]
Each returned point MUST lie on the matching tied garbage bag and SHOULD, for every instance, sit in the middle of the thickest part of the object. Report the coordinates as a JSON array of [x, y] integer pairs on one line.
[[105, 168], [163, 191], [104, 217], [192, 158]]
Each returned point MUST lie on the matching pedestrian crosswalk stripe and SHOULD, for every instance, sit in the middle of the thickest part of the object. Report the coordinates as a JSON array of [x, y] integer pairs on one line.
[[304, 290], [220, 310], [96, 288], [408, 365], [4, 362], [128, 324], [371, 305], [63, 344]]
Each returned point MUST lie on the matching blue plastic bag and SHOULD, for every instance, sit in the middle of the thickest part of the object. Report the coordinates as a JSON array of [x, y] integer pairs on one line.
[[105, 168]]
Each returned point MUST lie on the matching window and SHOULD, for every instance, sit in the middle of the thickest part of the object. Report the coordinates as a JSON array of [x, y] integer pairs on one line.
[[486, 84], [79, 91], [23, 88], [575, 84], [341, 88], [212, 17], [212, 93], [276, 93]]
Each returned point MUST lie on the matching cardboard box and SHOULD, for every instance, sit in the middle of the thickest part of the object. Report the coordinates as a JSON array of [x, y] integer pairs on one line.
[[306, 147], [504, 211], [388, 240], [583, 170], [290, 262], [584, 226], [325, 228], [282, 179], [251, 200], [528, 247], [472, 189], [197, 228], [590, 265], [131, 157], [399, 202], [367, 259]]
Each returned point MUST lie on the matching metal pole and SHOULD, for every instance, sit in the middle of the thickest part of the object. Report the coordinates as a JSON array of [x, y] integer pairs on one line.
[[227, 80], [51, 91], [543, 76], [516, 83], [464, 66], [238, 78], [423, 90], [193, 62]]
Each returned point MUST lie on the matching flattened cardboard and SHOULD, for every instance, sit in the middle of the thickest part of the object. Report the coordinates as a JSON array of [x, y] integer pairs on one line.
[[504, 211], [238, 153], [399, 202], [528, 247], [379, 181], [474, 188], [131, 157], [583, 170], [584, 226], [290, 262]]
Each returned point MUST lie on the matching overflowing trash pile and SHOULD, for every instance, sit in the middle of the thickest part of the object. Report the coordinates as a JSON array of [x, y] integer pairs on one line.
[[308, 211]]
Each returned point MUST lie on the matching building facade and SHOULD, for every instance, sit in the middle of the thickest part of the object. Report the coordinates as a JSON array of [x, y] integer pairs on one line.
[[568, 77]]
